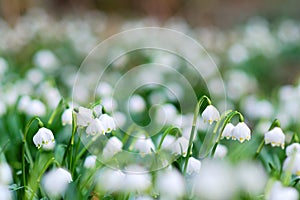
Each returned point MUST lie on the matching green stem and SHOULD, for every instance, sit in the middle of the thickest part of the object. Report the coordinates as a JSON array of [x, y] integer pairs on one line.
[[169, 130], [226, 121], [192, 135], [260, 147], [55, 112], [24, 143], [50, 161]]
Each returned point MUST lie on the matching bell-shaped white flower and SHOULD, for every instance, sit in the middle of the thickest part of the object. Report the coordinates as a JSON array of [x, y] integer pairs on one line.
[[227, 132], [112, 147], [98, 110], [90, 162], [55, 182], [241, 132], [221, 151], [293, 148], [136, 179], [110, 180], [275, 137], [193, 166], [84, 116], [5, 174], [108, 123], [211, 114], [180, 146], [144, 145], [170, 184], [95, 127], [66, 117], [42, 137], [293, 163], [5, 193], [279, 192], [36, 108]]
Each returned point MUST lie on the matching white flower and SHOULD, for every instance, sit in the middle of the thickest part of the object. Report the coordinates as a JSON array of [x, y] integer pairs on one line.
[[137, 104], [215, 181], [42, 137], [170, 184], [84, 116], [98, 110], [55, 182], [36, 108], [210, 114], [66, 117], [221, 151], [45, 59], [136, 179], [241, 132], [251, 177], [96, 127], [275, 137], [90, 162], [24, 103], [110, 180], [193, 166], [227, 132], [108, 123], [293, 163], [180, 146], [5, 174], [112, 147], [5, 193], [144, 145], [295, 147], [278, 192], [49, 146]]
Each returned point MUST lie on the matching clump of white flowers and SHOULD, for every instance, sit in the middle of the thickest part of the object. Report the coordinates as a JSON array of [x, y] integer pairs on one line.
[[240, 132], [100, 124], [210, 114], [43, 137], [32, 107], [275, 137], [55, 182]]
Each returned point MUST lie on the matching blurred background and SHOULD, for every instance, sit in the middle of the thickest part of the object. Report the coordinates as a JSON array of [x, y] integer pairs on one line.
[[256, 46]]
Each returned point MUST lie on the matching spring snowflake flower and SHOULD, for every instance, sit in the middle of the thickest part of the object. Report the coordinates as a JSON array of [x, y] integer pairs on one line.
[[98, 110], [137, 104], [36, 108], [84, 116], [108, 123], [144, 145], [170, 184], [43, 137], [211, 114], [90, 162], [95, 127], [193, 166], [227, 132], [275, 137], [112, 147], [55, 182], [241, 132], [5, 174], [221, 151], [279, 192], [66, 117], [293, 163], [5, 193], [295, 147], [136, 179], [110, 180]]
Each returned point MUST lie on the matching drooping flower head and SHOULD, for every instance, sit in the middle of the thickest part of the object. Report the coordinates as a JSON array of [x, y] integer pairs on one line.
[[43, 137], [275, 137], [211, 114], [241, 132]]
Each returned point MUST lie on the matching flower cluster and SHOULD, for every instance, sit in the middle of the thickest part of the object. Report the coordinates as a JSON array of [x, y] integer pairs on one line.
[[240, 132]]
